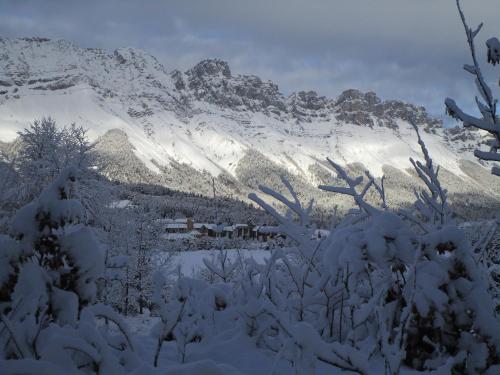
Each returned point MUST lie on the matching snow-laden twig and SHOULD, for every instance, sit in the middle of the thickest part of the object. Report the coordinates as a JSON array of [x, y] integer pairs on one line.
[[300, 230], [432, 205], [13, 335], [489, 122], [106, 312], [352, 184]]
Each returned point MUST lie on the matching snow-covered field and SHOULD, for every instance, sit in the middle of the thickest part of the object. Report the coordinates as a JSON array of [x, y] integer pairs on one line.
[[191, 262]]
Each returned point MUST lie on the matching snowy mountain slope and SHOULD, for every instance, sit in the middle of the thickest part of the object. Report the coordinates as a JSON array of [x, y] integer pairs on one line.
[[210, 119]]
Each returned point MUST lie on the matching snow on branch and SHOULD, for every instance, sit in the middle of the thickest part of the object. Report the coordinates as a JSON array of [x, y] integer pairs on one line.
[[296, 230], [487, 105], [432, 204], [352, 184], [493, 45]]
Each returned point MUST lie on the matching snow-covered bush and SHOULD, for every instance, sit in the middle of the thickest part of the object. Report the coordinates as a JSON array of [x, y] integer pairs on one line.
[[48, 236], [38, 156], [453, 311], [487, 252], [131, 238], [196, 313], [220, 268], [404, 286], [50, 267], [489, 121], [46, 150], [487, 105]]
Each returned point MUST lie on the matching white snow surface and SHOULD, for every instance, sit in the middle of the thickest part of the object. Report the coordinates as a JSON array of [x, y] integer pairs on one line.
[[191, 262]]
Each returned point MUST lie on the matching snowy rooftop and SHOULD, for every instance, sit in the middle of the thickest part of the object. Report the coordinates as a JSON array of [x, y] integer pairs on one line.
[[266, 229], [206, 225], [176, 226]]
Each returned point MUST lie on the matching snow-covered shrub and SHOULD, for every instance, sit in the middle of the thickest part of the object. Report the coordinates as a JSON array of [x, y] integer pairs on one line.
[[38, 156], [195, 313], [52, 262], [487, 105], [46, 150], [129, 262], [488, 121], [453, 312], [487, 252], [50, 265], [49, 238], [220, 268], [404, 286]]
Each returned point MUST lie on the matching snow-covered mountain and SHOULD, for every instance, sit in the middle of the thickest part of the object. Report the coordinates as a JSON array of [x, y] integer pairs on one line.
[[212, 122]]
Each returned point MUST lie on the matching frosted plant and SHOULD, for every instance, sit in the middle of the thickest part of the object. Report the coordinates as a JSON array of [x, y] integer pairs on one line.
[[129, 260], [371, 253], [50, 267], [300, 230], [220, 267], [301, 287], [489, 122], [431, 205], [453, 318], [487, 105], [46, 150], [192, 313], [50, 234], [376, 285], [141, 243]]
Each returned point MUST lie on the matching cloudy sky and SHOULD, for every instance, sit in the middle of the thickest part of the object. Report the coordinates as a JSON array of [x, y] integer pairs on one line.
[[401, 49]]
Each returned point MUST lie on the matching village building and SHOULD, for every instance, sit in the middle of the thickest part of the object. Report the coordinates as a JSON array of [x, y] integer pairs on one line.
[[186, 226], [176, 225], [206, 229], [238, 231], [263, 233]]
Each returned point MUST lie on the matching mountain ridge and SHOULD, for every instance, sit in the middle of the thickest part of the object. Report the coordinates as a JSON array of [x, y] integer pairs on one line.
[[201, 79], [209, 120]]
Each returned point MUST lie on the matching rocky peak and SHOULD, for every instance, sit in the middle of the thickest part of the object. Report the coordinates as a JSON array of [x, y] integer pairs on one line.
[[356, 107], [468, 137], [257, 94], [354, 99], [305, 105], [210, 67], [408, 112], [308, 100], [211, 81], [131, 74], [368, 109]]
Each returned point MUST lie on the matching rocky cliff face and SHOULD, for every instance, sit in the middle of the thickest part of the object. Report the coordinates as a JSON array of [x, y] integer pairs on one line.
[[367, 109], [211, 81], [54, 65]]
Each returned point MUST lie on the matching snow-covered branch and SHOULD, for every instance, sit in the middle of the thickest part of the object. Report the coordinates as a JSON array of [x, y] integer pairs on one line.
[[299, 230], [487, 105], [352, 184], [432, 205]]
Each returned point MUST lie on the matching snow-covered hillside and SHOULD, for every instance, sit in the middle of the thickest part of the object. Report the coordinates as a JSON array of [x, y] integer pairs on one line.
[[210, 118]]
